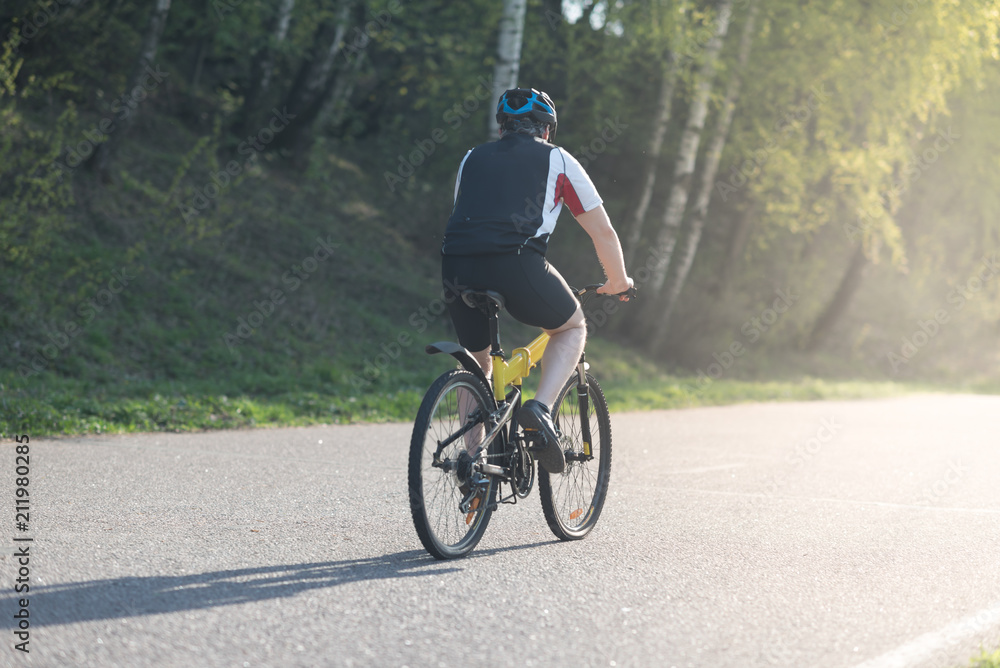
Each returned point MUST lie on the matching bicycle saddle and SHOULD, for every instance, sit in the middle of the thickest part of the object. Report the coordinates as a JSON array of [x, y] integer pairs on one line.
[[481, 299]]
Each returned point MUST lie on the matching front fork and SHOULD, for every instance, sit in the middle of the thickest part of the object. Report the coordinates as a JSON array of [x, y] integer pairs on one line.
[[583, 399]]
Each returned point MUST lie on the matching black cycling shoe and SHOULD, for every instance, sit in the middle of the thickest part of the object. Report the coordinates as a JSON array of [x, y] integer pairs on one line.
[[534, 415]]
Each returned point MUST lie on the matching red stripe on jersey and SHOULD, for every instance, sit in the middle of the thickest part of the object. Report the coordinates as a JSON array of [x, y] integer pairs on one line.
[[567, 193]]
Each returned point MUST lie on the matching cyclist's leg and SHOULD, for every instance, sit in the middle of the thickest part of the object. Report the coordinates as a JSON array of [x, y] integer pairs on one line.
[[472, 328], [467, 403], [562, 354], [485, 361], [542, 298]]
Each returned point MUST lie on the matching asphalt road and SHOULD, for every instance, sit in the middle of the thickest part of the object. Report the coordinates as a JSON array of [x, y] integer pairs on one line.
[[800, 534]]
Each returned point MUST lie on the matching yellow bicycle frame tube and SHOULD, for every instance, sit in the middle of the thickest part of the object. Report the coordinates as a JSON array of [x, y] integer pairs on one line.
[[510, 372]]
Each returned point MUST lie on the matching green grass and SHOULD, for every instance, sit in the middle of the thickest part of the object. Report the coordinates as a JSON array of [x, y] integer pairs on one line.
[[687, 392], [52, 404], [55, 405], [986, 660]]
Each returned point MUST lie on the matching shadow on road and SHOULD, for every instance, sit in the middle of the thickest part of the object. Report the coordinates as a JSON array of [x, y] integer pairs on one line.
[[137, 596]]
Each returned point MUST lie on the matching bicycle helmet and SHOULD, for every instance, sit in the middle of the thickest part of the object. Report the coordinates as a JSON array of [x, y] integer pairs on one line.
[[520, 103]]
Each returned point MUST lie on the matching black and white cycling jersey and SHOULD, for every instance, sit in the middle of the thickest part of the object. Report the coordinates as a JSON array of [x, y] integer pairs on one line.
[[508, 195]]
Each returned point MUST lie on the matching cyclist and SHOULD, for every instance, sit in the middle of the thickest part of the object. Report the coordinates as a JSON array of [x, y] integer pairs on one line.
[[508, 195]]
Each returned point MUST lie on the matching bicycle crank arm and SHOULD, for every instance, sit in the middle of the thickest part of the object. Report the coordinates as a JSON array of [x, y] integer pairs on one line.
[[492, 469]]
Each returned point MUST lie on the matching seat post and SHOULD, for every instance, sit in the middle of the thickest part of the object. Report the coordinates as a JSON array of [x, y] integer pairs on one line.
[[494, 317]]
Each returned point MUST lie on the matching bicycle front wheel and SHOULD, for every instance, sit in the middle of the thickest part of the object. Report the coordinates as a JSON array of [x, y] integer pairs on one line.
[[450, 506], [572, 500]]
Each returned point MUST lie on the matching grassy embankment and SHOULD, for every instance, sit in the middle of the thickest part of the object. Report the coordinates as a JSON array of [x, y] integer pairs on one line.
[[180, 347]]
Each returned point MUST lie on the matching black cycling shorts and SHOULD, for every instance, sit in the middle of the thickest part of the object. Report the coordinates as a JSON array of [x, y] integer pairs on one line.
[[533, 291]]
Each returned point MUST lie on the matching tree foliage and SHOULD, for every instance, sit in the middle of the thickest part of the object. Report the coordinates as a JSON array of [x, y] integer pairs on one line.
[[864, 125]]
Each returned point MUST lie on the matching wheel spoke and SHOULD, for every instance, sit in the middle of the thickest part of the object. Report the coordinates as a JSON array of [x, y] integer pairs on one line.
[[443, 529], [573, 500]]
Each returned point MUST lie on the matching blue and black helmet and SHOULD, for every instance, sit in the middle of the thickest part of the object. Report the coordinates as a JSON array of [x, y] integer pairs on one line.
[[527, 103]]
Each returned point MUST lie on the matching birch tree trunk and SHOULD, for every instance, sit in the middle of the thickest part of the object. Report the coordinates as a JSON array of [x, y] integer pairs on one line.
[[508, 63], [313, 83], [681, 267], [101, 160], [280, 32], [667, 85], [262, 68], [332, 111], [687, 154]]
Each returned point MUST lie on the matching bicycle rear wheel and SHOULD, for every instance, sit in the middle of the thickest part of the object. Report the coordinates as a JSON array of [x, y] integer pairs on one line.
[[452, 418], [572, 500]]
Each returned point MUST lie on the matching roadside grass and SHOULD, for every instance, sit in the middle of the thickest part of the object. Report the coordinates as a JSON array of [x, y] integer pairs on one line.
[[986, 660], [326, 392], [56, 405], [63, 410]]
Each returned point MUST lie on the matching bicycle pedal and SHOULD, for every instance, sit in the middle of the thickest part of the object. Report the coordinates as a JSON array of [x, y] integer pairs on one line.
[[473, 506]]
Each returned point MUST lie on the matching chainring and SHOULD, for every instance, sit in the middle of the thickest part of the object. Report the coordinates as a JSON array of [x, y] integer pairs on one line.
[[523, 467]]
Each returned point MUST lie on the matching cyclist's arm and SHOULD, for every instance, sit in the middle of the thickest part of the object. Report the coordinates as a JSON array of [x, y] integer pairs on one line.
[[597, 224]]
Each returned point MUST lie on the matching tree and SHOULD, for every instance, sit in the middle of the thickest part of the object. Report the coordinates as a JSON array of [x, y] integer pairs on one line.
[[681, 264], [891, 103], [508, 61], [848, 285], [736, 245], [262, 68], [688, 151], [313, 82], [664, 107], [686, 155], [100, 161]]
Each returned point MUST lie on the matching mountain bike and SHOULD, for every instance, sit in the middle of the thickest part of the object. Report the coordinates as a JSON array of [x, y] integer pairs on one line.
[[467, 444]]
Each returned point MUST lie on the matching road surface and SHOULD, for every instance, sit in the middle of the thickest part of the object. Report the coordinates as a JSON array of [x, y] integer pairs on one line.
[[840, 534]]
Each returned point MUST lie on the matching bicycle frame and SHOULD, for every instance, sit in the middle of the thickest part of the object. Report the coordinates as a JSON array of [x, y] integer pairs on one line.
[[514, 370], [511, 372]]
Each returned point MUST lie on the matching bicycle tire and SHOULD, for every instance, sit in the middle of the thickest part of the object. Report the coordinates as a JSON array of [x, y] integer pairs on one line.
[[444, 530], [572, 501]]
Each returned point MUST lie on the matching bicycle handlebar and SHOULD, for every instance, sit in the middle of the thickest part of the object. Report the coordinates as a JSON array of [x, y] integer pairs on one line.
[[592, 288]]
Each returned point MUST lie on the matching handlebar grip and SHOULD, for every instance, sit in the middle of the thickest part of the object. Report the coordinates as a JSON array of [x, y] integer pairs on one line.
[[580, 292]]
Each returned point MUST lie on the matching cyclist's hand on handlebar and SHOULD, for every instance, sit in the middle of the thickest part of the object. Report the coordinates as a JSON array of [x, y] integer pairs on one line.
[[622, 290]]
